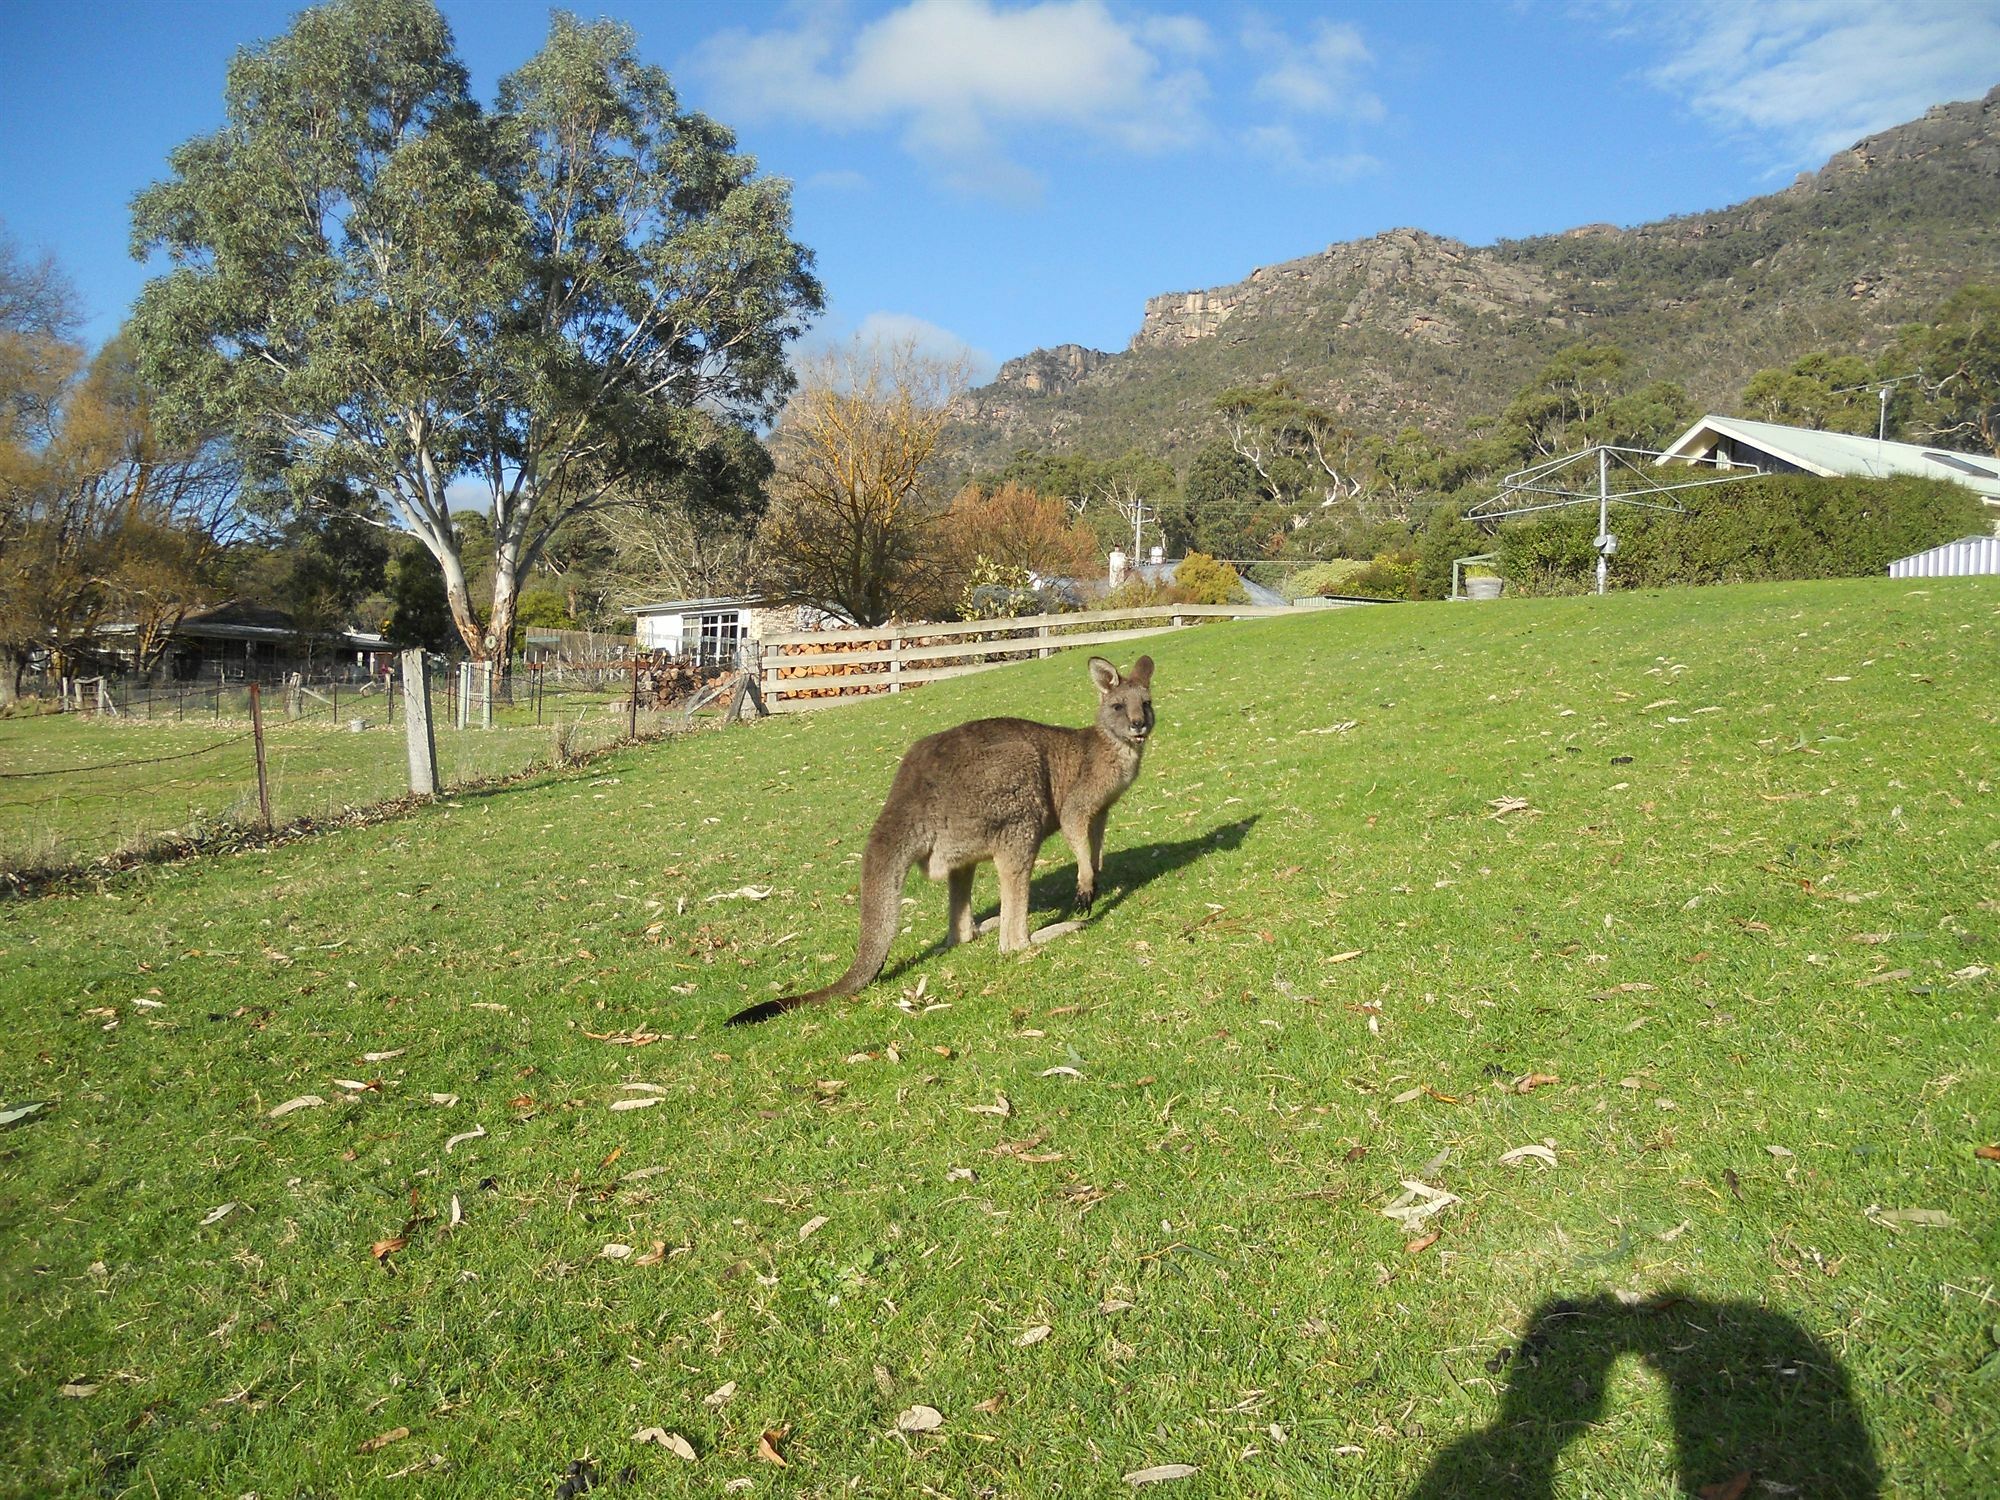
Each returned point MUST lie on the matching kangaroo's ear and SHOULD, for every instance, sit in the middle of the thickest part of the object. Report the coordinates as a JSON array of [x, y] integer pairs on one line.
[[1142, 671], [1103, 674]]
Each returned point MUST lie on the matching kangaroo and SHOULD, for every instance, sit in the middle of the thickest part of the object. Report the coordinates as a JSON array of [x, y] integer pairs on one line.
[[993, 789]]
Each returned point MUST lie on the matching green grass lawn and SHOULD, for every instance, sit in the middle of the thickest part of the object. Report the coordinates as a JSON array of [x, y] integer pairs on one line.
[[1113, 1205], [144, 779]]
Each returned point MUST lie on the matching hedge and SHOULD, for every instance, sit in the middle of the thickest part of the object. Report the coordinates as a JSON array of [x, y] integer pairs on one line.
[[1777, 527]]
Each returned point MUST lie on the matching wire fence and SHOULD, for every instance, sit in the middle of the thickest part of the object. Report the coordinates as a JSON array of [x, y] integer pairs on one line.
[[151, 770]]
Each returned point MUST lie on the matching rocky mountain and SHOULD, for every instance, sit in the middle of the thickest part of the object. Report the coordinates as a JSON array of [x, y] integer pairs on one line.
[[1408, 328]]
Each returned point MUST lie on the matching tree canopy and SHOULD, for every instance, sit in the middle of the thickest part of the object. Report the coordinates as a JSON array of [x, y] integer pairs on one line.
[[555, 305]]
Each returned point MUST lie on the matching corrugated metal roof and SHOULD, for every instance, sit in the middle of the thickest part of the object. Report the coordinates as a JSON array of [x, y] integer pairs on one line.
[[1841, 454], [693, 606]]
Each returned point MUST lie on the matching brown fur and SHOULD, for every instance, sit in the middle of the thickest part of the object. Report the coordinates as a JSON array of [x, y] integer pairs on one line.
[[994, 789]]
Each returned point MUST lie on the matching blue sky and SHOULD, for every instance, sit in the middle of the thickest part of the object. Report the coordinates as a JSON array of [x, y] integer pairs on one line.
[[1008, 175]]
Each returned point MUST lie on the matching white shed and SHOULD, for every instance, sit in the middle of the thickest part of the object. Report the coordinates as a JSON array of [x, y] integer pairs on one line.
[[718, 629], [1960, 559]]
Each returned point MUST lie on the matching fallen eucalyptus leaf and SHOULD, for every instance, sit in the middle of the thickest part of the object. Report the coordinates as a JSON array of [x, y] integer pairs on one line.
[[920, 1419], [460, 1139], [15, 1112], [1418, 1202], [1160, 1473], [1922, 1218], [673, 1442], [304, 1101], [647, 1103], [1522, 1153]]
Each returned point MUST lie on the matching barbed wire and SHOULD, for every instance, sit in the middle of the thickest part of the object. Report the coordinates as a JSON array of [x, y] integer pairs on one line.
[[112, 765]]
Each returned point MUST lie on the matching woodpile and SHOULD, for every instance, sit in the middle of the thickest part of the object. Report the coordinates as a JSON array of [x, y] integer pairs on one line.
[[830, 669], [670, 680]]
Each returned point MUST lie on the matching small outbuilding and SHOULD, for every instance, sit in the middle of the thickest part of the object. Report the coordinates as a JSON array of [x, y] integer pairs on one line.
[[716, 631], [1966, 557]]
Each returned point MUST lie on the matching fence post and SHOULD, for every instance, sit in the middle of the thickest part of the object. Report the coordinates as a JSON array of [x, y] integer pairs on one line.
[[1047, 649], [632, 709], [257, 733], [895, 658], [486, 695], [295, 695], [417, 723], [460, 704]]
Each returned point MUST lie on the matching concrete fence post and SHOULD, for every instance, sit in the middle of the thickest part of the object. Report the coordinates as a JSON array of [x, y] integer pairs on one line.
[[417, 724]]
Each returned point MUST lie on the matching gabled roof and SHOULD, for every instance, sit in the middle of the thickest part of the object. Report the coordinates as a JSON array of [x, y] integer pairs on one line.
[[1839, 454]]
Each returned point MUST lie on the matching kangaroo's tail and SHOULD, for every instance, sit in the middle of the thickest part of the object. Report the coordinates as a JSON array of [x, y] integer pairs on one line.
[[884, 865]]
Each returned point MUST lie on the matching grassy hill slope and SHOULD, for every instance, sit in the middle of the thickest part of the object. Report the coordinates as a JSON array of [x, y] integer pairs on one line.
[[1743, 919]]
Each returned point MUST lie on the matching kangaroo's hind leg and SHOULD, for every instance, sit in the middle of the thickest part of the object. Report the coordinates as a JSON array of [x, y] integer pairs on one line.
[[960, 928], [1017, 867]]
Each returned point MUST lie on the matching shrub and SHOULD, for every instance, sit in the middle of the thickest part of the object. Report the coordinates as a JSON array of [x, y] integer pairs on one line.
[[1322, 578], [1200, 579], [1392, 575], [998, 591]]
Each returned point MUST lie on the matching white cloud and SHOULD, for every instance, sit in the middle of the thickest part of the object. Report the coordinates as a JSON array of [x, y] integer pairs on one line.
[[1815, 76], [839, 180], [957, 76], [1283, 147], [1319, 75]]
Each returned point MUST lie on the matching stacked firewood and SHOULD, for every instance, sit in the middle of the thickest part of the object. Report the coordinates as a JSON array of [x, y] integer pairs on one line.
[[826, 669], [668, 681]]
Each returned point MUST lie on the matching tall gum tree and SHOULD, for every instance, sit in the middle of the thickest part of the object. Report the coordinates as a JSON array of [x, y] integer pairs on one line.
[[554, 306]]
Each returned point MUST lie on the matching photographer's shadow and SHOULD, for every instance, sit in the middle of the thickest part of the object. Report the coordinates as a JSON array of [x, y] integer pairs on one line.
[[1759, 1405]]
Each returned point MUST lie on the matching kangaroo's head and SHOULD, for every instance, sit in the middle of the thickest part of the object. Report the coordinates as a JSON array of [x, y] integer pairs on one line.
[[1124, 700]]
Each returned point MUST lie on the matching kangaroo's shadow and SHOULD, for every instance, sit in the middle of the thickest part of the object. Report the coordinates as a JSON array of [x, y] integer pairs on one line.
[[1750, 1390], [1125, 871]]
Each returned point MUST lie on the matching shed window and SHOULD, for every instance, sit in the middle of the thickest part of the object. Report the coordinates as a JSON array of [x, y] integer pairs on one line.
[[719, 636]]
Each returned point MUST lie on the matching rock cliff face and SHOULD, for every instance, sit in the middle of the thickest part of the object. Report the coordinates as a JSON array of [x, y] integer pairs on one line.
[[1049, 372], [1409, 328], [1418, 285]]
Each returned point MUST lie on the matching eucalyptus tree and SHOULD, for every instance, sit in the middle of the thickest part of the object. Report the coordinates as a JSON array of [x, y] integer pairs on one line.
[[544, 309]]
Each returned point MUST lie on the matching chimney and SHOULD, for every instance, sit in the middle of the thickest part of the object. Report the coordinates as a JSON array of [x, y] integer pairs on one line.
[[1117, 566]]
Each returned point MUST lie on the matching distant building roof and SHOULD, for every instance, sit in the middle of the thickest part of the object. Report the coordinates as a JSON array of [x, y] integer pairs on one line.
[[1832, 454], [695, 606]]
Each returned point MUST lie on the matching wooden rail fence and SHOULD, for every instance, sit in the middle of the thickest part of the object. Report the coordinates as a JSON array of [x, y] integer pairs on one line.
[[817, 668]]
